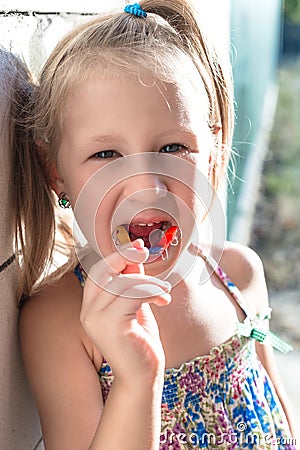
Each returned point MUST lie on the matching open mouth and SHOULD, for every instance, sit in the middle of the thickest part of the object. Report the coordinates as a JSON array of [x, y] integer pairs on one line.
[[157, 236], [143, 231]]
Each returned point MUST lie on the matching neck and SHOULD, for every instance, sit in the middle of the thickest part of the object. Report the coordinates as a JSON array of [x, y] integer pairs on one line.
[[188, 274]]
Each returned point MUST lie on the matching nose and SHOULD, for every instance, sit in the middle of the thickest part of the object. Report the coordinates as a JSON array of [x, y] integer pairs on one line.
[[146, 188]]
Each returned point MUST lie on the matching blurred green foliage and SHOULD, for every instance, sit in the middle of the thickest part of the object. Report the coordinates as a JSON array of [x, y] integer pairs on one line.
[[292, 10]]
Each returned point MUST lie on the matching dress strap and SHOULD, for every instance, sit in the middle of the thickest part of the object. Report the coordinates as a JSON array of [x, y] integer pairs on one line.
[[229, 285], [80, 274], [252, 325]]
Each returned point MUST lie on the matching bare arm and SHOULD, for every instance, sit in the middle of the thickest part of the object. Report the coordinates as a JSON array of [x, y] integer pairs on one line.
[[61, 373], [58, 358], [66, 387], [265, 352], [267, 358], [131, 419], [132, 415]]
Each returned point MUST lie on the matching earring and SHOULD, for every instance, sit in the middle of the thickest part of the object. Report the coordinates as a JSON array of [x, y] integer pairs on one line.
[[64, 201]]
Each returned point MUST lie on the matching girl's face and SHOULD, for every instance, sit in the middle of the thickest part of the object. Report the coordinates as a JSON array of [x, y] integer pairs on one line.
[[130, 155]]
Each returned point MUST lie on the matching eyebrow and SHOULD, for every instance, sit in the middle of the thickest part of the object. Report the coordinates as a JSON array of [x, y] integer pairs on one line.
[[177, 130], [109, 138]]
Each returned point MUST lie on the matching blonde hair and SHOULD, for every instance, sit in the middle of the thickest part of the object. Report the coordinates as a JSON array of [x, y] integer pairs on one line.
[[27, 185], [124, 43]]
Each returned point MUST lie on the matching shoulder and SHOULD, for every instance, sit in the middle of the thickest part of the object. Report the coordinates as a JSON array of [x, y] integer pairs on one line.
[[60, 364], [242, 264], [244, 267], [52, 316], [54, 301]]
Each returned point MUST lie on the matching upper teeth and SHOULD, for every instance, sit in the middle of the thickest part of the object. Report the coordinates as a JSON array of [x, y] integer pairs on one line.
[[146, 224]]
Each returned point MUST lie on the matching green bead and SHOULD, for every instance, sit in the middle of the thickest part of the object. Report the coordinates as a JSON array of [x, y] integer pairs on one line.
[[64, 201], [258, 335]]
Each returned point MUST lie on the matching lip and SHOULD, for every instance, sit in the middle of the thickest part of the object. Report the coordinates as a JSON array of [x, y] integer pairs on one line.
[[130, 212]]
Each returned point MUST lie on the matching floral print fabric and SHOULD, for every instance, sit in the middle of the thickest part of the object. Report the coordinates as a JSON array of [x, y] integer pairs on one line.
[[223, 400]]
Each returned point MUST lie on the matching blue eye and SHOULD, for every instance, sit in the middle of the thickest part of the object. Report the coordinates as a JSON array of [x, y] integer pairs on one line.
[[105, 154], [173, 148]]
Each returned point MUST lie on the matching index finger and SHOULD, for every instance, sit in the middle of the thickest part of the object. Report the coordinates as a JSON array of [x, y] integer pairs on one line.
[[101, 273]]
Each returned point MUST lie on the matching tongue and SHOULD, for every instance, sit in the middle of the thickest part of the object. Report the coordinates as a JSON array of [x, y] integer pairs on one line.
[[140, 231], [143, 231]]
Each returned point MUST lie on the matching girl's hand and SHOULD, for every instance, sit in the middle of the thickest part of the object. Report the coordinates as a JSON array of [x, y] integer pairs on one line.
[[117, 316]]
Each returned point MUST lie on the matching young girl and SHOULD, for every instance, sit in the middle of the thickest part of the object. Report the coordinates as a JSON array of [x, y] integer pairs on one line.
[[132, 127]]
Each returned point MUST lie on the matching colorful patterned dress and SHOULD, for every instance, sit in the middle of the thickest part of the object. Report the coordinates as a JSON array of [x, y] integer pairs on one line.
[[223, 400]]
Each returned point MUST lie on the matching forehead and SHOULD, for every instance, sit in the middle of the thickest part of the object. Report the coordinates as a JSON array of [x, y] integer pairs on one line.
[[126, 97]]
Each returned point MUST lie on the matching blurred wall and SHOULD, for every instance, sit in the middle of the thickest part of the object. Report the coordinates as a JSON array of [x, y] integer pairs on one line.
[[256, 42]]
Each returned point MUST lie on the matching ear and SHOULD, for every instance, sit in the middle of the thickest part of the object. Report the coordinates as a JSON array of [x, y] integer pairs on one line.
[[217, 129], [56, 181], [215, 154], [217, 135]]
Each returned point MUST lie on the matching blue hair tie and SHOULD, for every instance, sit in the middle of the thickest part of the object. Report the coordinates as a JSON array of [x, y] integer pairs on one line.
[[136, 10]]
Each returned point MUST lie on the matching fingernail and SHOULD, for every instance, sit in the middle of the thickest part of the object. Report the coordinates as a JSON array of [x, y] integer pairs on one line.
[[138, 244], [167, 297]]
